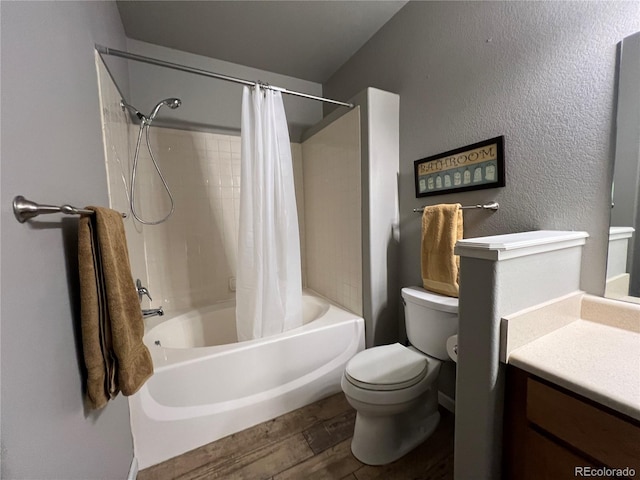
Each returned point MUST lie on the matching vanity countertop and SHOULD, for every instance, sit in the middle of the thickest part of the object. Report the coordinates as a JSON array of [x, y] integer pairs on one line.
[[594, 353]]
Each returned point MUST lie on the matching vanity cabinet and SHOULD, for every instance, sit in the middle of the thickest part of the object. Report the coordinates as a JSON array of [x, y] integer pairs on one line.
[[549, 431]]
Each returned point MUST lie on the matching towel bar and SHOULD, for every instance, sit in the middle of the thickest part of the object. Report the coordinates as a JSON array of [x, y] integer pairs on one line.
[[25, 209], [487, 206]]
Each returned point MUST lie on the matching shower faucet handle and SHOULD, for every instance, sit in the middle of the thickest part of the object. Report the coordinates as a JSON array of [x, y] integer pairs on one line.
[[142, 290]]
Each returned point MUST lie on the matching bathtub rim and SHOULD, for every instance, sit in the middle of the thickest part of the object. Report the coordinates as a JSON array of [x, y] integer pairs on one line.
[[169, 357], [155, 409]]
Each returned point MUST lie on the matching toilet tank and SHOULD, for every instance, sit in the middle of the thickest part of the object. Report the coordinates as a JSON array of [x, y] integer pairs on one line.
[[430, 319]]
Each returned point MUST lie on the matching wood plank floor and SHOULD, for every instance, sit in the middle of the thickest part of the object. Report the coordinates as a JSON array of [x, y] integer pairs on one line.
[[313, 442]]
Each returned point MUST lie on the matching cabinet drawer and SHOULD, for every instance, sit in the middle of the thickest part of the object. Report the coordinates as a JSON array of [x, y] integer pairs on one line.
[[604, 436]]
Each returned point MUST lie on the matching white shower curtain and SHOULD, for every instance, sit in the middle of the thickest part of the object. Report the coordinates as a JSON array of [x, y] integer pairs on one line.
[[268, 279]]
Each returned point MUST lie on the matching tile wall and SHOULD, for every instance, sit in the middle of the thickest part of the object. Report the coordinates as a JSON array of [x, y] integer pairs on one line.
[[192, 257], [189, 261], [333, 217]]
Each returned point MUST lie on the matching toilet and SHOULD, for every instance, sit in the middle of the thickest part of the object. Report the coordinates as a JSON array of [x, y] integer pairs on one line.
[[394, 388]]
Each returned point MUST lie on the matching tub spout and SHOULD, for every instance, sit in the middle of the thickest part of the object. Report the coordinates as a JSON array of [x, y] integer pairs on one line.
[[152, 312]]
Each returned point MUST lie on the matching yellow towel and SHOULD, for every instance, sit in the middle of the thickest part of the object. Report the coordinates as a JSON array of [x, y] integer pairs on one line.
[[111, 319], [441, 229]]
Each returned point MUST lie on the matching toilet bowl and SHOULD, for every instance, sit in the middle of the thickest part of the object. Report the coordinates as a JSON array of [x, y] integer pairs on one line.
[[393, 388]]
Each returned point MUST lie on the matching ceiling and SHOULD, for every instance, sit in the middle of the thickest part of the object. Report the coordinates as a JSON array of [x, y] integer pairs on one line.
[[308, 39]]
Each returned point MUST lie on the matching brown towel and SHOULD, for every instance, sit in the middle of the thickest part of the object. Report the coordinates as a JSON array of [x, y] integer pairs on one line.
[[111, 318], [441, 229]]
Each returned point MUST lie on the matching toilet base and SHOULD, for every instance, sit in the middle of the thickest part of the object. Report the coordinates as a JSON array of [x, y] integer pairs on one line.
[[379, 440]]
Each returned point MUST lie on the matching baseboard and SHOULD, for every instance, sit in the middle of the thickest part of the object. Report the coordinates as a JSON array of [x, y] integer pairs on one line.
[[133, 470], [447, 402]]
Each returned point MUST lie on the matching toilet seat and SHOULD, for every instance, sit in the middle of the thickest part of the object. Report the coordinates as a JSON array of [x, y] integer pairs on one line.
[[386, 368]]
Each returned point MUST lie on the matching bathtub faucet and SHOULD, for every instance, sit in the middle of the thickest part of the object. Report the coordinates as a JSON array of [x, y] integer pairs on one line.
[[142, 290], [152, 312]]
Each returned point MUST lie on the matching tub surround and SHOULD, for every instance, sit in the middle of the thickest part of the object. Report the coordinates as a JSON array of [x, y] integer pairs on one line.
[[350, 163], [331, 184], [500, 275], [592, 348]]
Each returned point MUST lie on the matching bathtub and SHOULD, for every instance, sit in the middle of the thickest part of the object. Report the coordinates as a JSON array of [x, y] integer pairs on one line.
[[206, 385]]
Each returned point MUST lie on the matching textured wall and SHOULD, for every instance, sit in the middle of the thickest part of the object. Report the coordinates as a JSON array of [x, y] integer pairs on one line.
[[52, 153], [496, 289], [540, 73]]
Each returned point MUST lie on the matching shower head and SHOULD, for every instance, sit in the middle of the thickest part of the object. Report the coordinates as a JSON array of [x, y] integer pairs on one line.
[[172, 103], [125, 106]]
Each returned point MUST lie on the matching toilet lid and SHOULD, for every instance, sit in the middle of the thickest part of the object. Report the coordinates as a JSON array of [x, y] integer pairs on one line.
[[389, 367]]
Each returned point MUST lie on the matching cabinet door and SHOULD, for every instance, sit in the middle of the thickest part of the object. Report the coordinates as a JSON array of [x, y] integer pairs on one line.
[[546, 459], [548, 432], [600, 434]]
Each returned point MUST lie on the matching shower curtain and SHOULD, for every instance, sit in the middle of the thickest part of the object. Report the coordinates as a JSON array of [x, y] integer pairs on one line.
[[268, 279]]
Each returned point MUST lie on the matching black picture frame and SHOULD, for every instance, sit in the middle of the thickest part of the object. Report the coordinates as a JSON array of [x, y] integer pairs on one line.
[[474, 167]]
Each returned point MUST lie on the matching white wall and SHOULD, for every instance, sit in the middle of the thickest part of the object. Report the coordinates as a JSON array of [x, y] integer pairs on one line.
[[52, 153], [540, 73]]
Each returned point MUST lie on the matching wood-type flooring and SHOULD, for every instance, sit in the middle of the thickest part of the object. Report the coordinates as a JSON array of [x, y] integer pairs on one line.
[[313, 442]]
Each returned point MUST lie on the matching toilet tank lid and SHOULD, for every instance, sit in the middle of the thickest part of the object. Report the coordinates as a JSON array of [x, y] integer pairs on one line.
[[422, 297]]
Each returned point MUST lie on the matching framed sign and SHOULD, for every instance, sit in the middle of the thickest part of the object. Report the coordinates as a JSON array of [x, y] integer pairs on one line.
[[473, 167]]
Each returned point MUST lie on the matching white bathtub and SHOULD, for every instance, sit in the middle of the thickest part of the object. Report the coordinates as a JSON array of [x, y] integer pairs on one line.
[[206, 385]]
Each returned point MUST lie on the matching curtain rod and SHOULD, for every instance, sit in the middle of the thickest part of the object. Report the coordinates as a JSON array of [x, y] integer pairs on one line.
[[183, 68]]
